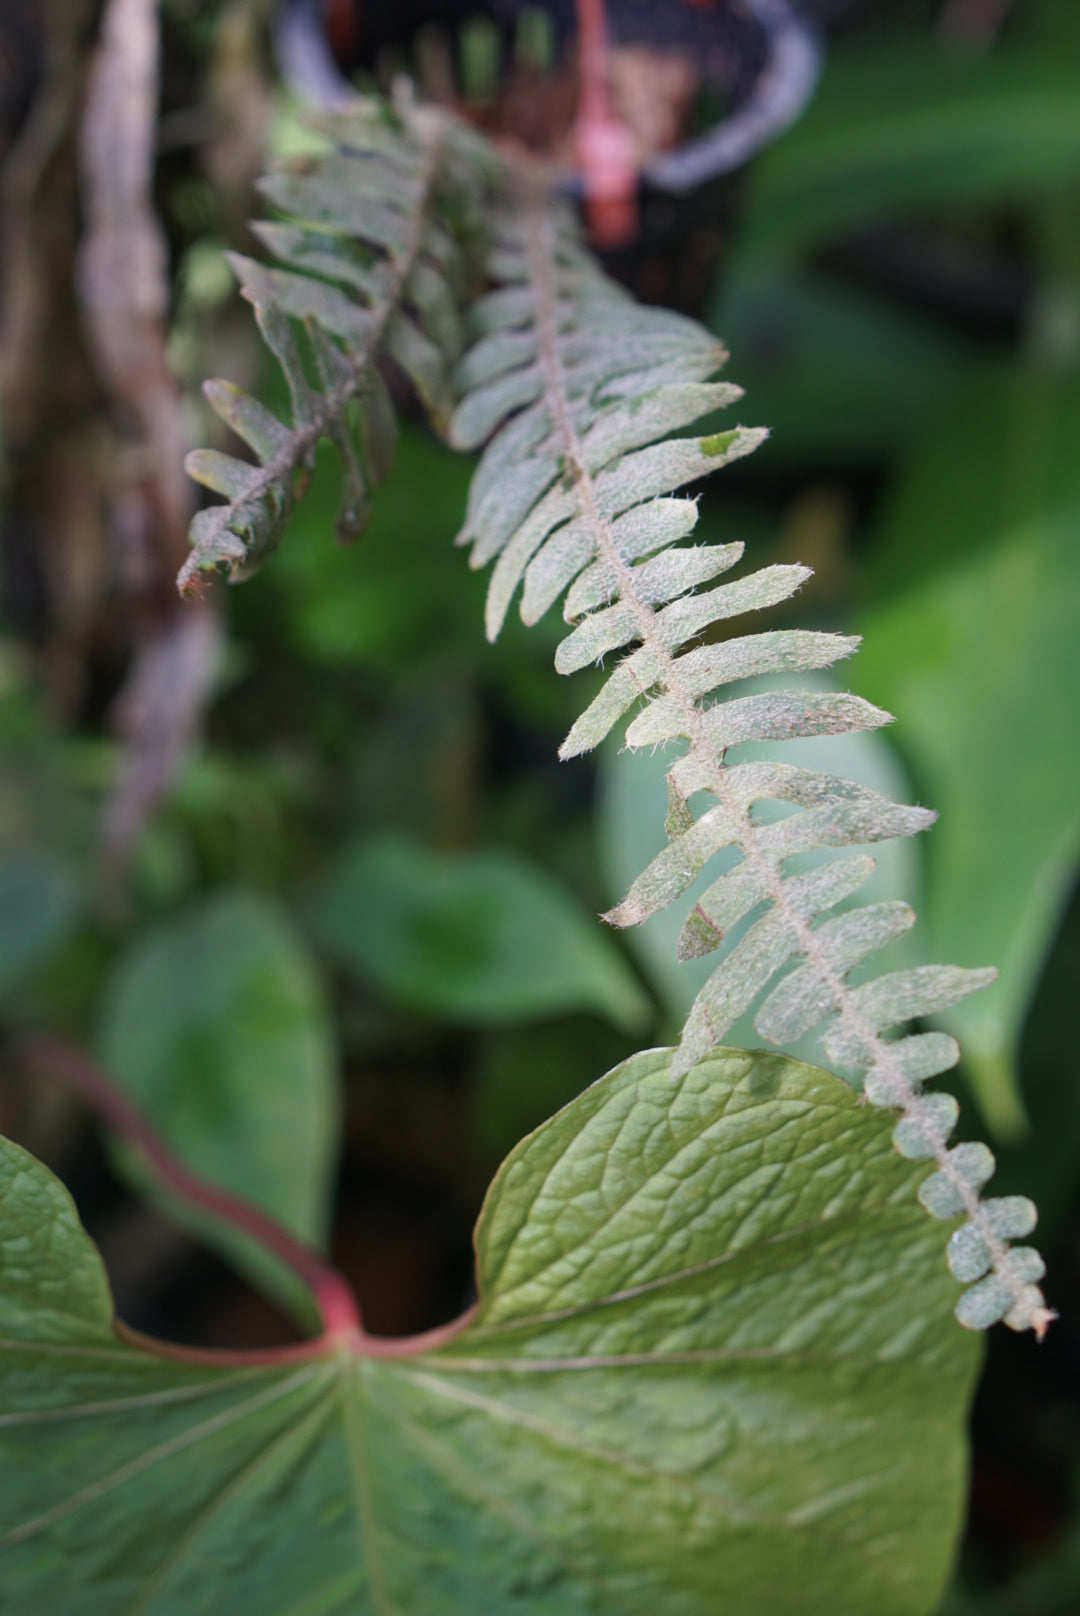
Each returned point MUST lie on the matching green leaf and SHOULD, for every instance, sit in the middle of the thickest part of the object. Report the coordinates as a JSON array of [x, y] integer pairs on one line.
[[406, 604], [215, 1025], [712, 1368], [981, 665], [474, 938], [910, 127], [38, 908], [1001, 454]]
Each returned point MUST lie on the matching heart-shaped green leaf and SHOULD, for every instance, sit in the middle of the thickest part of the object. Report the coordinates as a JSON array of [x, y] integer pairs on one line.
[[713, 1367], [482, 938]]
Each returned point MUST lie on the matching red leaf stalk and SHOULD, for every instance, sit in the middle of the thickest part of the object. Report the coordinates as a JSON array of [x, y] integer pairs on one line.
[[333, 1295]]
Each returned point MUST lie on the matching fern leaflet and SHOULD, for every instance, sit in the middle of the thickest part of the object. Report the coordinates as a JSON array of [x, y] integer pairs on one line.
[[379, 244]]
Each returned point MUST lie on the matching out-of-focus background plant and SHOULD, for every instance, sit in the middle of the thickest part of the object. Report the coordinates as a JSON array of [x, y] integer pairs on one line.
[[311, 836]]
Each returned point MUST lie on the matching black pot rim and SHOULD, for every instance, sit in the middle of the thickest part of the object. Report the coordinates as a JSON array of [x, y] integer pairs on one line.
[[779, 95]]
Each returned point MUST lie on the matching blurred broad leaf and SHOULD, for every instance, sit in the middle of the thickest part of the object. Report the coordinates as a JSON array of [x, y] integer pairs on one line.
[[39, 906], [713, 1368], [981, 665], [907, 128], [836, 372], [404, 600], [215, 1024], [1053, 23], [402, 605], [475, 938], [1001, 454], [1047, 1155]]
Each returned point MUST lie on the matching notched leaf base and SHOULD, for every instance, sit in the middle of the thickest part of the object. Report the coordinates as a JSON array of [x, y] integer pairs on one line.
[[712, 1366]]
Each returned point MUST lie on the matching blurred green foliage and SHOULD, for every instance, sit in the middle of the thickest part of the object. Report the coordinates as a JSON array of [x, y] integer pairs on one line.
[[215, 1024], [981, 665], [916, 128], [481, 938], [38, 906]]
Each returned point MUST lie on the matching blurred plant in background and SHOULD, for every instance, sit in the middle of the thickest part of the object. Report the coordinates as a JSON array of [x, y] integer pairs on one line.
[[898, 281]]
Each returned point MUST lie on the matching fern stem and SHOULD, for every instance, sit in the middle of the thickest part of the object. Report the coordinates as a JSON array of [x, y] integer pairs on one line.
[[901, 1095], [333, 403]]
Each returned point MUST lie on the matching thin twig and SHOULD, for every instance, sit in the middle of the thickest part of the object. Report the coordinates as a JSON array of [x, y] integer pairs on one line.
[[123, 273], [123, 285]]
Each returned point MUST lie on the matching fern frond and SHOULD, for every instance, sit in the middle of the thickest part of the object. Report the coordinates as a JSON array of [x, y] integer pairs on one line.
[[578, 389], [379, 243], [576, 392]]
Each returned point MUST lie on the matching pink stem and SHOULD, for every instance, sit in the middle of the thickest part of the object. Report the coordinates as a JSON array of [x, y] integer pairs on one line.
[[592, 59], [333, 1295], [606, 153]]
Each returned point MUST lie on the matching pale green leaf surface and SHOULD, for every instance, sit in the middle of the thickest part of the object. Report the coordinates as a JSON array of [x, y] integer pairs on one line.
[[216, 1026], [982, 667], [482, 938], [385, 223], [713, 1368]]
